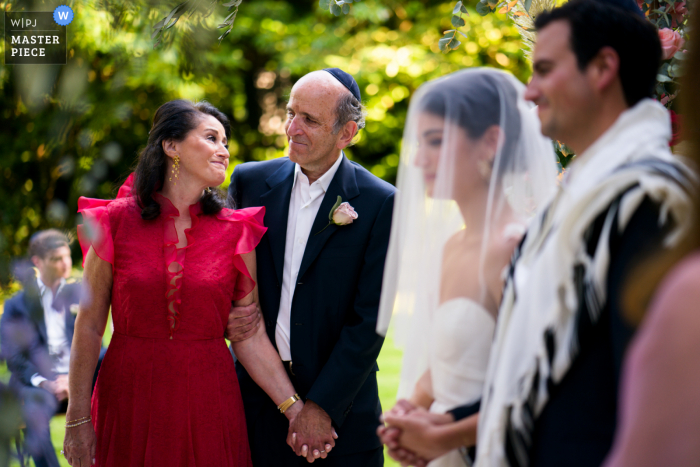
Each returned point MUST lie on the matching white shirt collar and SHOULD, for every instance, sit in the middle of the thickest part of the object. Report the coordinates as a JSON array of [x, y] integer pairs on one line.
[[324, 180], [43, 287]]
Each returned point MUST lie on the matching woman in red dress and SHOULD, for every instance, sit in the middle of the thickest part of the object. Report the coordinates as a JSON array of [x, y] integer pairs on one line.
[[170, 260]]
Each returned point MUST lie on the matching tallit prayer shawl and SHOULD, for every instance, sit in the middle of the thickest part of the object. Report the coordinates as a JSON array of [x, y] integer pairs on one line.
[[554, 279]]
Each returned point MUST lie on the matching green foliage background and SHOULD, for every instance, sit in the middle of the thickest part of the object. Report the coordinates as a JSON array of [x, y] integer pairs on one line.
[[75, 130]]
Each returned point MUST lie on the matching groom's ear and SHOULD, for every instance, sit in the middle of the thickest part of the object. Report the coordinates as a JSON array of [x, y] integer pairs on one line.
[[346, 135]]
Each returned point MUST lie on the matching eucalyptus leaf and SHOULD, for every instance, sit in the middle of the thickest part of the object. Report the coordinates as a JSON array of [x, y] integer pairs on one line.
[[346, 8], [527, 4], [663, 78], [457, 21], [443, 43], [676, 70], [455, 44], [680, 55], [493, 3], [482, 9], [324, 4], [449, 34], [457, 8], [335, 9], [464, 10], [463, 35]]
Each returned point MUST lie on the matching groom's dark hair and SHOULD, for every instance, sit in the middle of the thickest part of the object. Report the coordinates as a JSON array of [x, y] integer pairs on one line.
[[618, 24]]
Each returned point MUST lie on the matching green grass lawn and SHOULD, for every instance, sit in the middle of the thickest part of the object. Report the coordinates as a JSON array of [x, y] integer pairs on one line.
[[388, 378]]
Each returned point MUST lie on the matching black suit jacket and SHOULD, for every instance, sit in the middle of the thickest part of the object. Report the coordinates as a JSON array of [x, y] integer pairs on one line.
[[23, 338], [334, 345]]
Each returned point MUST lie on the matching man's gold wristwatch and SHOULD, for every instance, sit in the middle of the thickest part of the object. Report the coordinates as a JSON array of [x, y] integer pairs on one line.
[[288, 403]]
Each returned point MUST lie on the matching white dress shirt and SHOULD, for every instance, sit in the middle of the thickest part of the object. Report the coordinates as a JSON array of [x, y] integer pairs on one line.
[[59, 347], [303, 207]]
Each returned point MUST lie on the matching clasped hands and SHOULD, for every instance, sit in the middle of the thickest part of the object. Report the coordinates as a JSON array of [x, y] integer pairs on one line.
[[311, 433], [413, 435]]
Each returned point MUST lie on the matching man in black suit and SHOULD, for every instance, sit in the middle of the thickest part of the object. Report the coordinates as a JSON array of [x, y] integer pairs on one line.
[[319, 278], [36, 332]]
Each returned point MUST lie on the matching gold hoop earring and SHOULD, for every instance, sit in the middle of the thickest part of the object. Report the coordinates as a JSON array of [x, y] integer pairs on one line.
[[176, 169], [484, 169]]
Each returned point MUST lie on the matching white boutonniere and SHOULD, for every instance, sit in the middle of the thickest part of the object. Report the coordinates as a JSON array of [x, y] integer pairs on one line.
[[341, 214], [74, 308]]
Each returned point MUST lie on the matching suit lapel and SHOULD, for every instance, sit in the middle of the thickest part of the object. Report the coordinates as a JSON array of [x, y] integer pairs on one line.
[[35, 309], [276, 202], [344, 185]]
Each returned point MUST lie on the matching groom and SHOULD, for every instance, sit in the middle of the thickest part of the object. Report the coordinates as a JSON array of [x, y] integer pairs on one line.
[[319, 284]]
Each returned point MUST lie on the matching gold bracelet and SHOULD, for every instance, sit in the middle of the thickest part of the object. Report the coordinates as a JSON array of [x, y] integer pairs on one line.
[[74, 424], [288, 403], [77, 420]]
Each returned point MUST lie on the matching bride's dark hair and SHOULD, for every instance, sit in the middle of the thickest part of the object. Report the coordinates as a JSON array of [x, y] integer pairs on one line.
[[172, 121], [472, 101]]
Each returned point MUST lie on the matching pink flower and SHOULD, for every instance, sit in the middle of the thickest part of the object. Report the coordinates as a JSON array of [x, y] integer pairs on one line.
[[677, 12], [671, 42], [344, 214]]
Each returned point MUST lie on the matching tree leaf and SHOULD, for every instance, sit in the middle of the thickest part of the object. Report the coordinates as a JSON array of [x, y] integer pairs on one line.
[[226, 33], [463, 35], [663, 78], [457, 8], [464, 10], [449, 34], [455, 44], [457, 21], [527, 4], [482, 9], [680, 55], [335, 9], [346, 8], [324, 4], [444, 43]]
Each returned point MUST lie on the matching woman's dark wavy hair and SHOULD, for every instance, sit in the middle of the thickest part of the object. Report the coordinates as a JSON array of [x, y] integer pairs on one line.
[[473, 102], [172, 121]]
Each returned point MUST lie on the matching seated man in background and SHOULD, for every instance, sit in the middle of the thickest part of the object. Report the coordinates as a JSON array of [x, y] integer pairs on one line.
[[36, 331]]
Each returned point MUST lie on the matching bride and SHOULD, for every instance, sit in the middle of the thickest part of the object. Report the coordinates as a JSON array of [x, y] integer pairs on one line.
[[474, 168]]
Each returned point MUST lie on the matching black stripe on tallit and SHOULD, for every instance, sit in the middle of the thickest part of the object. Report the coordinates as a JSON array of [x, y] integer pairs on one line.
[[518, 440]]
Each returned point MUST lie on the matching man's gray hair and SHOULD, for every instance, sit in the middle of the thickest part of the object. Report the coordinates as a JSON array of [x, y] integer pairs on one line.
[[349, 109]]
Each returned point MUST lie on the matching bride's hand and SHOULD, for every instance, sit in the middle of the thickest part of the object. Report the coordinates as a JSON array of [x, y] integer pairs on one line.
[[79, 445]]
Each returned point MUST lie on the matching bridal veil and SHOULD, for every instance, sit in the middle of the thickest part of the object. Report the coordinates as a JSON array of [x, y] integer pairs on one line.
[[521, 177]]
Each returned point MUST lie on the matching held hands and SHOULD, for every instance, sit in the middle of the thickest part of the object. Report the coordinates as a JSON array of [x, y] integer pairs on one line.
[[311, 433], [415, 427], [243, 322], [59, 387], [79, 445]]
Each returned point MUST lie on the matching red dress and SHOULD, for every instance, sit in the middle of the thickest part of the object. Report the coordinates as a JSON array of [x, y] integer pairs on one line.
[[167, 392]]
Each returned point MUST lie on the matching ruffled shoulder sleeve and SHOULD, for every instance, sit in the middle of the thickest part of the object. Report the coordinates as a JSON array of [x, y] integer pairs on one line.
[[252, 229], [96, 231]]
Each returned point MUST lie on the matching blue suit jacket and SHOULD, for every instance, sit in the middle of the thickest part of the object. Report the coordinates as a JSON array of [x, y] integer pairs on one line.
[[334, 345], [27, 355]]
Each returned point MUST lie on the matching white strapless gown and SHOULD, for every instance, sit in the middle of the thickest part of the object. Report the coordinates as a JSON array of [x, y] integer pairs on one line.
[[460, 345]]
